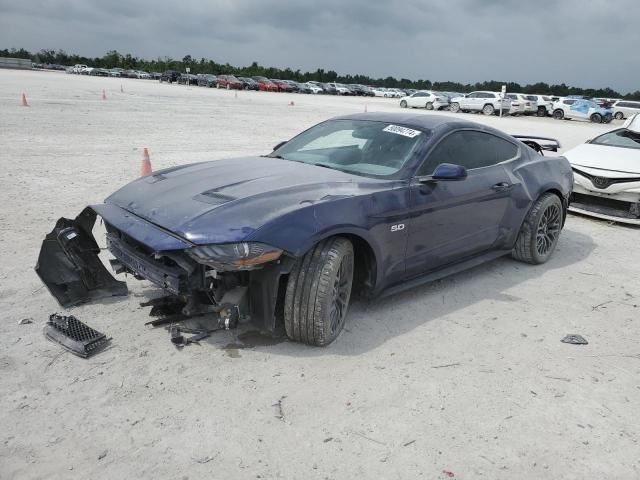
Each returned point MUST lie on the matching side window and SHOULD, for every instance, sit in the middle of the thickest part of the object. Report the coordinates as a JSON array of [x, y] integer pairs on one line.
[[511, 96], [472, 95], [469, 148], [420, 94]]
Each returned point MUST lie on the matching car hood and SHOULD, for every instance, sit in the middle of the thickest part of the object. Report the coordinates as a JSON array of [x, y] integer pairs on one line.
[[618, 160], [228, 200]]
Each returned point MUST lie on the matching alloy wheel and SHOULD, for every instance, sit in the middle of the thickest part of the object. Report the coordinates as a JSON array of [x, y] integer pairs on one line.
[[548, 230]]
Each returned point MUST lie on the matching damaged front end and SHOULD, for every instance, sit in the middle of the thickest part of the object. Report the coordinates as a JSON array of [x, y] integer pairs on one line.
[[240, 280]]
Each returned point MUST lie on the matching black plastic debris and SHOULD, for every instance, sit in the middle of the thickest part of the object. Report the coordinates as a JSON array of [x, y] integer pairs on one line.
[[575, 339], [179, 340], [69, 265], [74, 335]]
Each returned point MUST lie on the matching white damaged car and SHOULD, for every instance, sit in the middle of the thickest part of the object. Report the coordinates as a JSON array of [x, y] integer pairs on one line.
[[606, 172]]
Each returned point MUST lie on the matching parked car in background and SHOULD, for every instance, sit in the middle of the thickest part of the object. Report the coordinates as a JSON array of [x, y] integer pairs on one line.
[[170, 76], [425, 99], [265, 85], [115, 72], [379, 92], [606, 172], [528, 102], [188, 79], [249, 83], [625, 109], [303, 88], [314, 87], [283, 86], [486, 102], [329, 88], [99, 72], [230, 82], [340, 88], [573, 108], [207, 80], [545, 105]]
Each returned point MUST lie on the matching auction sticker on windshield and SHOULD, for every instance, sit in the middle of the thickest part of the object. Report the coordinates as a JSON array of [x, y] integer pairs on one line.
[[404, 131]]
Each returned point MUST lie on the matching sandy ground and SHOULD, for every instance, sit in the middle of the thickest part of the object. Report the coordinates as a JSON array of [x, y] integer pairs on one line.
[[466, 375]]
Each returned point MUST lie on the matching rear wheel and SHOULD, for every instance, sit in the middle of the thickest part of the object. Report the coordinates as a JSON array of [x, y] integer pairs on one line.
[[596, 118], [540, 231], [318, 293], [454, 107], [403, 104], [558, 114], [619, 115], [429, 106], [542, 112], [488, 109]]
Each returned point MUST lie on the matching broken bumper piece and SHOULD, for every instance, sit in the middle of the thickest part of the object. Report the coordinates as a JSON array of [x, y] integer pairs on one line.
[[69, 265], [74, 335]]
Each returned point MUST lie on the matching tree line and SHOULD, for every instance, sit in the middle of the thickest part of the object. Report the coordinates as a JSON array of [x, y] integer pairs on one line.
[[113, 59]]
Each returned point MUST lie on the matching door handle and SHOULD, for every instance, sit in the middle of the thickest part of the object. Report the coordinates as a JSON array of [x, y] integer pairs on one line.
[[502, 187]]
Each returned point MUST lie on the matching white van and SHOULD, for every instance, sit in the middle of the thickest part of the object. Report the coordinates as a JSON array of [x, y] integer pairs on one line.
[[625, 109]]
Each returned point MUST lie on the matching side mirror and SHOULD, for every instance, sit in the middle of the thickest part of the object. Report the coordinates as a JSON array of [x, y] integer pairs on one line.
[[279, 145], [445, 171]]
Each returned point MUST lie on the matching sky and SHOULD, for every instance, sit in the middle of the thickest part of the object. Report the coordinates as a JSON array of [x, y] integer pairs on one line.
[[584, 43]]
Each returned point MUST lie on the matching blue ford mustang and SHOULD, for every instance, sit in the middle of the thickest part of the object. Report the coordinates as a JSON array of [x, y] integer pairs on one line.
[[368, 203]]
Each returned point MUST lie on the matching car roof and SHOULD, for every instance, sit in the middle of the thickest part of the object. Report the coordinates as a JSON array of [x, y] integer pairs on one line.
[[416, 120]]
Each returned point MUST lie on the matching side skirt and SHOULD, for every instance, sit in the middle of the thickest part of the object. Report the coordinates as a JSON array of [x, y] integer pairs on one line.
[[444, 272]]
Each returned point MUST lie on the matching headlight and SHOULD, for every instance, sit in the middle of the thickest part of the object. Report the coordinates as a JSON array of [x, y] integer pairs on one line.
[[234, 256]]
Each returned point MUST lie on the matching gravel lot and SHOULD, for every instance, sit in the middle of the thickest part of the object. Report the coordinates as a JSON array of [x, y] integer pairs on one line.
[[466, 375]]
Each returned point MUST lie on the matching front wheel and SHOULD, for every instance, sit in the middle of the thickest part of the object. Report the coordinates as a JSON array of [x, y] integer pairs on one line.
[[318, 293], [403, 104], [429, 106], [540, 231], [454, 107], [488, 109], [558, 114], [542, 112], [596, 118], [619, 116]]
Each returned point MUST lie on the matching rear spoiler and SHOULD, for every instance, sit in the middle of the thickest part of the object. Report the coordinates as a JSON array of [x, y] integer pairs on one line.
[[546, 143]]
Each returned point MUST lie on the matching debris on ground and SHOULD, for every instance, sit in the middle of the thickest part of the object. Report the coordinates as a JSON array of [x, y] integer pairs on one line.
[[448, 473], [575, 339], [278, 404], [75, 336], [25, 321]]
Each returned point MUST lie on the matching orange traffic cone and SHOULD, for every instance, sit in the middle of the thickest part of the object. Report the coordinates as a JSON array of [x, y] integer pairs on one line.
[[104, 95], [291, 104], [24, 100], [145, 166]]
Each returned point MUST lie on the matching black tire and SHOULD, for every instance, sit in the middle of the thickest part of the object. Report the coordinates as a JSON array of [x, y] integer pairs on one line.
[[318, 292], [488, 109], [540, 231], [542, 112], [403, 104], [429, 106], [454, 107], [596, 118], [558, 114], [619, 116]]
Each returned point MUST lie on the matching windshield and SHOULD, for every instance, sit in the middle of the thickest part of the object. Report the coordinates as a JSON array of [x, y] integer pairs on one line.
[[619, 138], [362, 147]]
